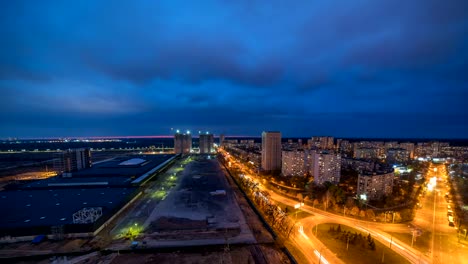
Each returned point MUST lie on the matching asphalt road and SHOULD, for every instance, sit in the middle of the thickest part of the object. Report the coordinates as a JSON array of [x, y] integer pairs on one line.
[[432, 217], [446, 248]]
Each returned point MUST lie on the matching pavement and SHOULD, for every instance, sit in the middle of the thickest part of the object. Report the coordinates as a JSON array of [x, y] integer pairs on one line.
[[183, 192], [377, 230], [445, 246]]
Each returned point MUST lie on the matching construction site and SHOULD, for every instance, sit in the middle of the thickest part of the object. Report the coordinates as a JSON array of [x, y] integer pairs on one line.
[[122, 210]]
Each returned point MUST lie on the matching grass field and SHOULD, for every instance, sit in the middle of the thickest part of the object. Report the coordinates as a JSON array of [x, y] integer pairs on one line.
[[356, 253]]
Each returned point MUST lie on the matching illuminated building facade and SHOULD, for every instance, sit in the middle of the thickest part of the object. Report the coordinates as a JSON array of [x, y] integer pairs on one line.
[[326, 167], [271, 151], [182, 143], [375, 184], [206, 143]]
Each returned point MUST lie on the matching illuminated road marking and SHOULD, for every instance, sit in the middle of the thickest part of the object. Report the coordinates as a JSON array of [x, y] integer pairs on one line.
[[320, 257]]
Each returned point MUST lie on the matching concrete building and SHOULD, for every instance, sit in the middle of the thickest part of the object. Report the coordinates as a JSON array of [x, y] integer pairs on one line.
[[366, 153], [345, 146], [409, 147], [430, 149], [397, 156], [375, 184], [321, 143], [391, 144], [326, 167], [294, 163], [271, 151], [182, 143], [72, 160], [206, 143], [221, 139], [357, 164]]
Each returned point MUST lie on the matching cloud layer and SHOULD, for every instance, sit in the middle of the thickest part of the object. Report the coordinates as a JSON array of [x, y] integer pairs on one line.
[[360, 68]]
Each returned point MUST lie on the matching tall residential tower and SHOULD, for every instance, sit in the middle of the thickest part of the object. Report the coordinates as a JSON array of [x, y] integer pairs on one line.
[[182, 143], [271, 151], [206, 143]]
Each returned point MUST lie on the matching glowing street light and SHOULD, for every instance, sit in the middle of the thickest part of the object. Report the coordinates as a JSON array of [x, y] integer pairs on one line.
[[363, 197]]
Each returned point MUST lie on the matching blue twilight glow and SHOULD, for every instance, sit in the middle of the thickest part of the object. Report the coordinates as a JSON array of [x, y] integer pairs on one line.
[[361, 68]]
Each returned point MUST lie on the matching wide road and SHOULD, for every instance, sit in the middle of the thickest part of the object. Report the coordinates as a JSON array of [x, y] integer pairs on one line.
[[432, 217], [377, 230]]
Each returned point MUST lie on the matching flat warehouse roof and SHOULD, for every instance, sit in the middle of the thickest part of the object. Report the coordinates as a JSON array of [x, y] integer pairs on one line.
[[59, 181], [130, 169], [26, 208], [130, 162]]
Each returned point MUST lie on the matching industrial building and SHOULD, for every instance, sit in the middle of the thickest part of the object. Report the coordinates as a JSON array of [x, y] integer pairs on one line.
[[79, 203]]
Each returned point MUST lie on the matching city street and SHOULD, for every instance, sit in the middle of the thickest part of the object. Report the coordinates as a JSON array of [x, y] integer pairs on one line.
[[433, 217], [377, 230]]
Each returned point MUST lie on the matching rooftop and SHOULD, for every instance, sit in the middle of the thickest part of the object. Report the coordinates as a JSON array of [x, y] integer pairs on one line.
[[132, 162], [134, 167], [56, 206]]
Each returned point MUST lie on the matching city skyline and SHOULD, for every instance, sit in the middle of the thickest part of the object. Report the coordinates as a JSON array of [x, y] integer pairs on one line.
[[351, 70]]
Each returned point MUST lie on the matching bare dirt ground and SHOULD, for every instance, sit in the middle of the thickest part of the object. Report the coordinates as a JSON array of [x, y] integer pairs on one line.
[[234, 255]]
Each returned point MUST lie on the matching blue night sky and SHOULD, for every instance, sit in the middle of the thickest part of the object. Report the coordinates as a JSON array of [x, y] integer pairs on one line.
[[361, 68]]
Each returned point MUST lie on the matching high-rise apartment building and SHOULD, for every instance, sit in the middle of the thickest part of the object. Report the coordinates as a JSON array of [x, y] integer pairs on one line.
[[271, 151], [206, 143], [375, 184], [294, 163], [72, 160], [326, 167], [409, 147], [397, 155], [366, 153], [345, 146], [182, 143], [221, 139], [321, 143]]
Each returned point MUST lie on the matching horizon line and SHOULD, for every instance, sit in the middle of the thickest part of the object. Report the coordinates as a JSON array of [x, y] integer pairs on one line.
[[217, 136]]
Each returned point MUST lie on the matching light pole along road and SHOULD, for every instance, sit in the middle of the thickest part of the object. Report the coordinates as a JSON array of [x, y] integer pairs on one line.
[[375, 229], [444, 246]]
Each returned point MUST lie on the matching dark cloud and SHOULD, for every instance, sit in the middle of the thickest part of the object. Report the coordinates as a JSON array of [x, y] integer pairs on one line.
[[308, 67], [190, 60]]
